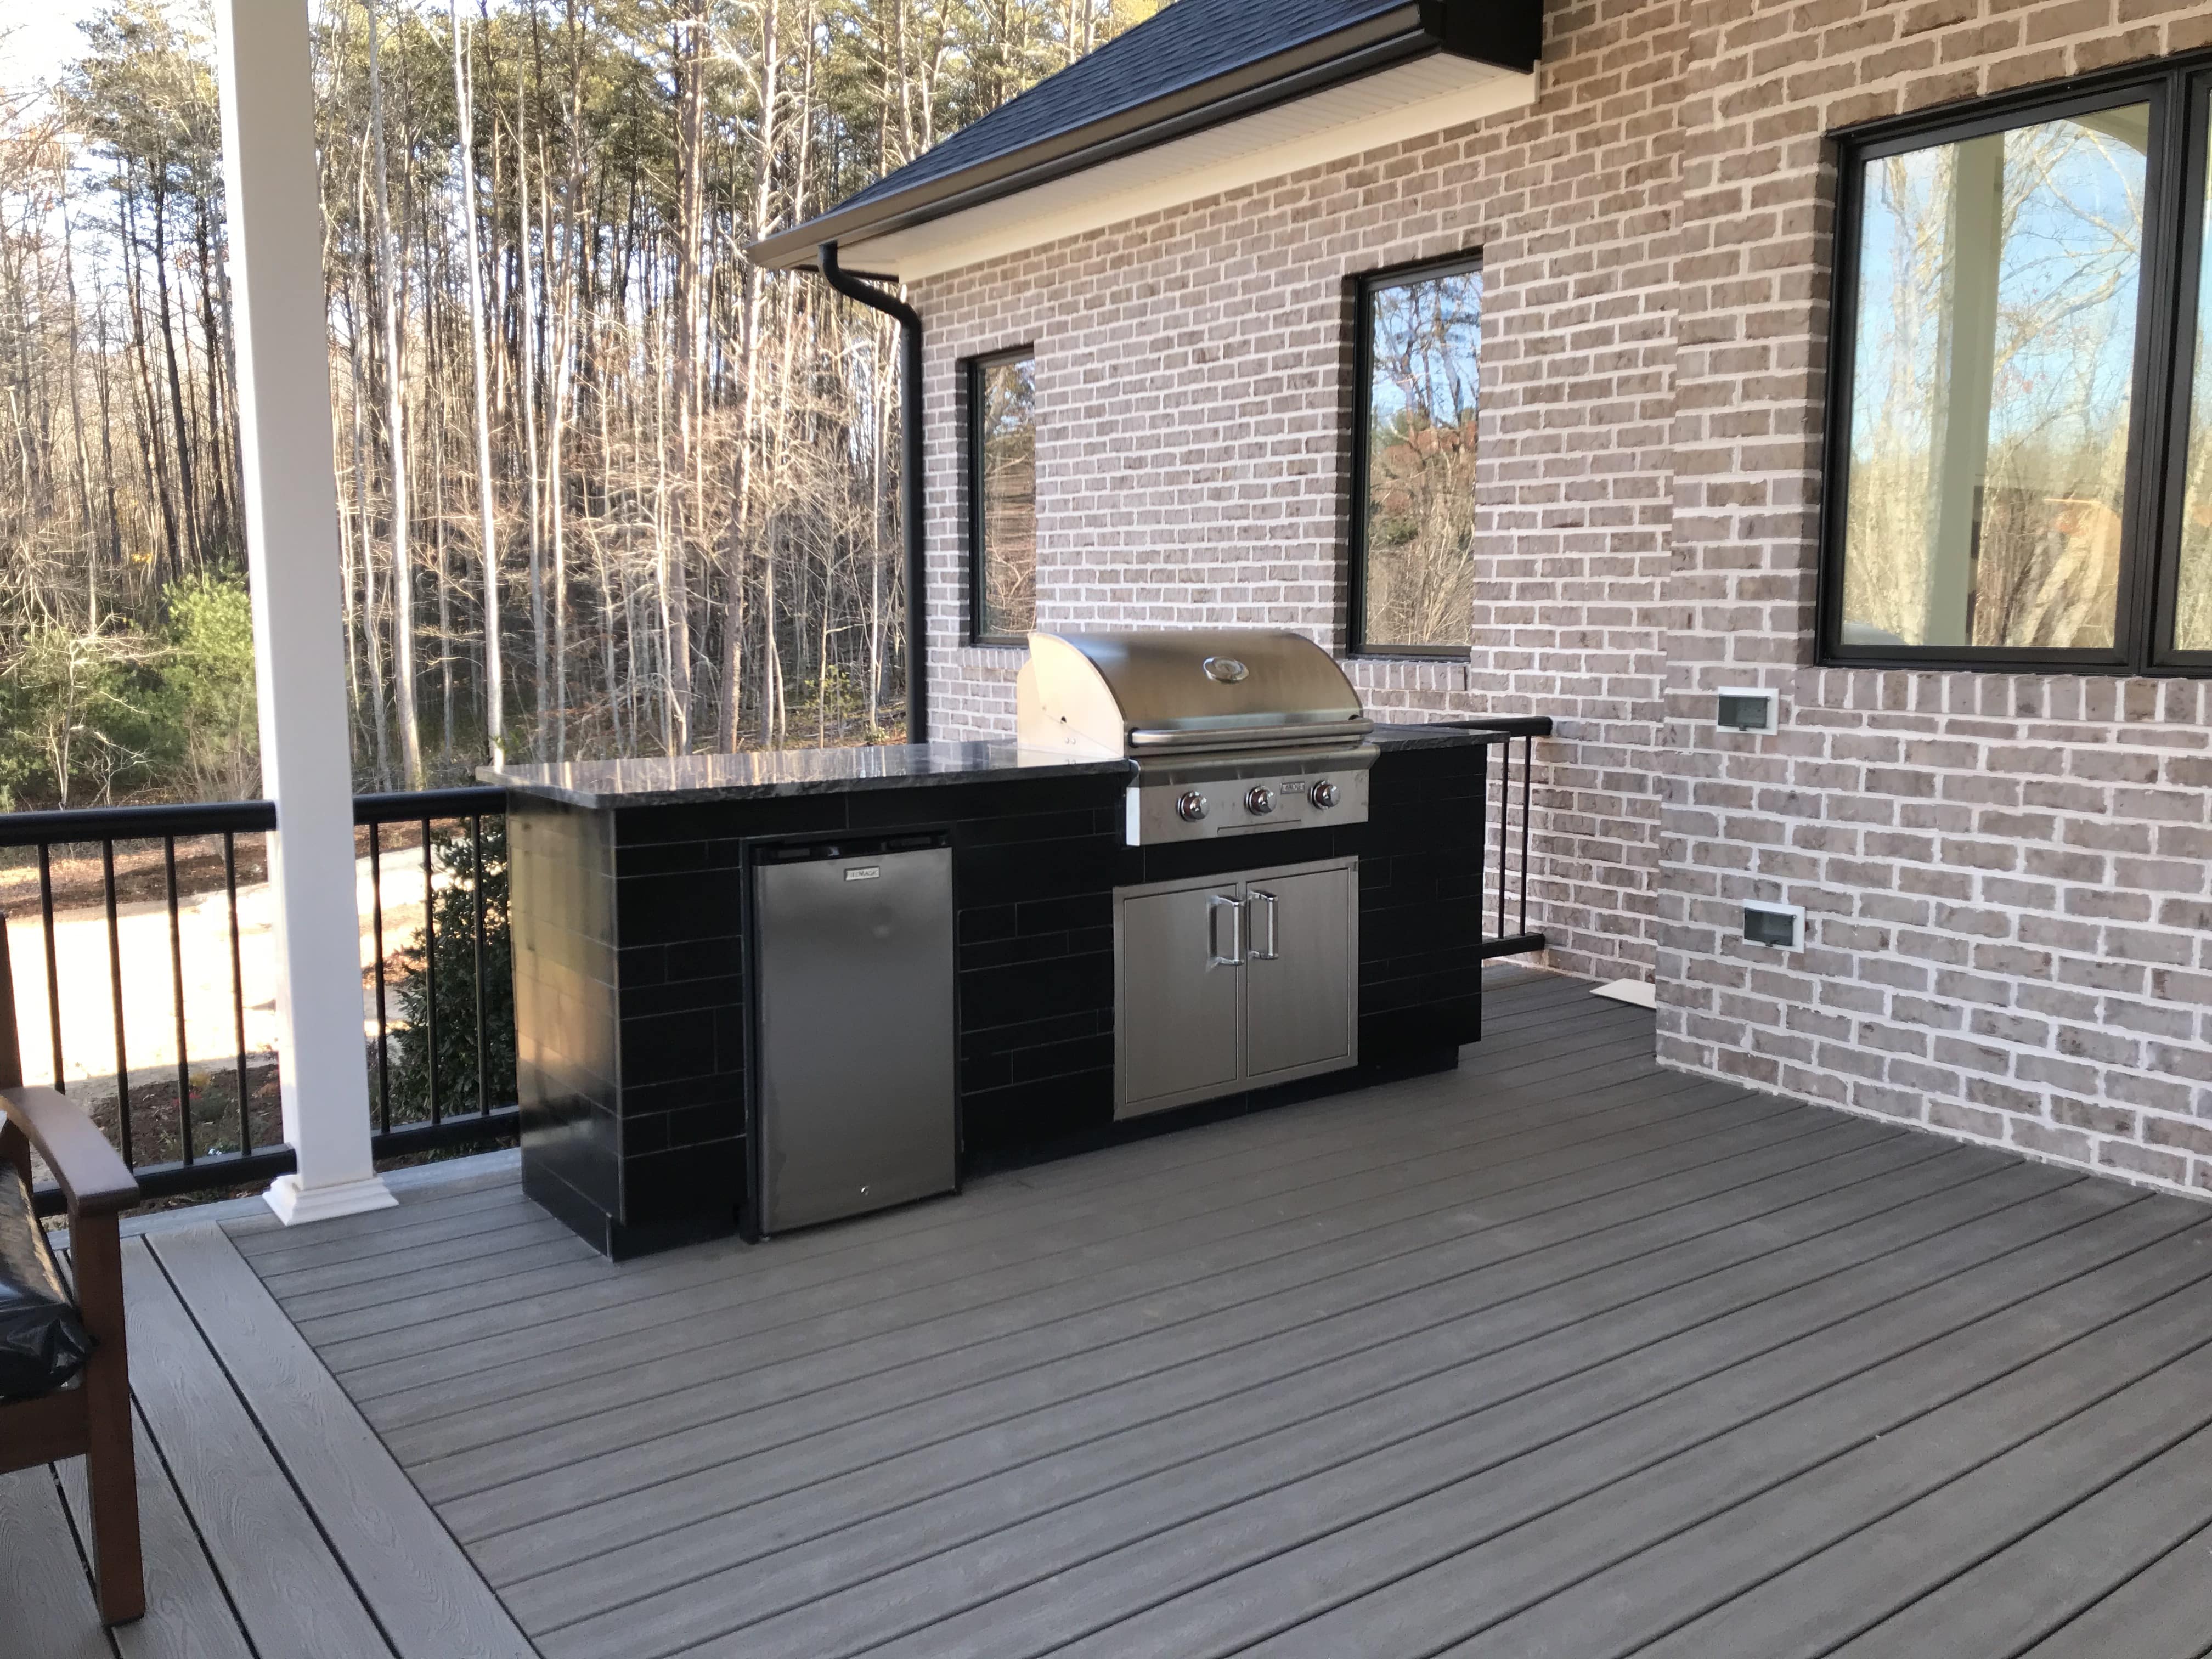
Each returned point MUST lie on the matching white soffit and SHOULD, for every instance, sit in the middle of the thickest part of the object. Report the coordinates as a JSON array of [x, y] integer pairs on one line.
[[1427, 95]]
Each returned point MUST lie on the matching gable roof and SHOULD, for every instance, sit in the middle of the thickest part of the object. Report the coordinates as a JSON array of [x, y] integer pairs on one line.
[[1195, 64]]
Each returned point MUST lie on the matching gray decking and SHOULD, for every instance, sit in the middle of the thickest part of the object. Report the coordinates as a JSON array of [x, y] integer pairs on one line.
[[1559, 1355]]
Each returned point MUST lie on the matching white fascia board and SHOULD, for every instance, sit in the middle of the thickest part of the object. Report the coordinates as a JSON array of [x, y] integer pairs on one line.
[[1430, 96]]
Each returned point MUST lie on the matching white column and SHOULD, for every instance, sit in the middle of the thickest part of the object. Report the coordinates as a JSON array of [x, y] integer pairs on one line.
[[274, 218]]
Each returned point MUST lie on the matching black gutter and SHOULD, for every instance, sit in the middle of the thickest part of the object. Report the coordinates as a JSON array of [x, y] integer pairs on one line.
[[1504, 33], [853, 286]]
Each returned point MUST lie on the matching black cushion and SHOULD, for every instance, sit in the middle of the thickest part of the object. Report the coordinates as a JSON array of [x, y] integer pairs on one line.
[[43, 1342]]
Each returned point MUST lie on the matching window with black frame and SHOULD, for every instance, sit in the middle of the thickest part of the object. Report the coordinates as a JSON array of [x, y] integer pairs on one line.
[[1002, 497], [2019, 476], [1419, 354]]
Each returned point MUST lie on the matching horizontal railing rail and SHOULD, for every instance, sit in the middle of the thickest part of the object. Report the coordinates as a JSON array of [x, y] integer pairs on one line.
[[1508, 934], [443, 1078]]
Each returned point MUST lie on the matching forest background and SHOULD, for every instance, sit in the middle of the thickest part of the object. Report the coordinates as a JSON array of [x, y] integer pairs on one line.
[[605, 489]]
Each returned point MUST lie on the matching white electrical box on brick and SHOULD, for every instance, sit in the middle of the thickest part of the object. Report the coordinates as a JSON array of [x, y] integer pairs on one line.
[[1782, 926], [1747, 709]]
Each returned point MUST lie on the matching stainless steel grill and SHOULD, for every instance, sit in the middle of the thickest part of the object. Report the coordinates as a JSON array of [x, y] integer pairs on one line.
[[1232, 731]]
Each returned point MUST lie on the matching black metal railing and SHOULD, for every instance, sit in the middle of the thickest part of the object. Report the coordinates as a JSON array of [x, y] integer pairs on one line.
[[185, 1138], [465, 1009], [1505, 925]]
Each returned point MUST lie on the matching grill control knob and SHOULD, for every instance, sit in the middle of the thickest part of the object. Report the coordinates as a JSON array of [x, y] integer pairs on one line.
[[1190, 806], [1323, 795], [1260, 800]]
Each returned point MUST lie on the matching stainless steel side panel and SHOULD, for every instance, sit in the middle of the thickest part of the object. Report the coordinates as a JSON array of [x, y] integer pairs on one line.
[[856, 1034]]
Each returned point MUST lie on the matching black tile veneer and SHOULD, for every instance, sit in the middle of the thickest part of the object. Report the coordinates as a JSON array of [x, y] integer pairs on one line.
[[630, 968]]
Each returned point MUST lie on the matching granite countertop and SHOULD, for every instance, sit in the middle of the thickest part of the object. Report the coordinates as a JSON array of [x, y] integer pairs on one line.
[[1426, 735], [666, 780]]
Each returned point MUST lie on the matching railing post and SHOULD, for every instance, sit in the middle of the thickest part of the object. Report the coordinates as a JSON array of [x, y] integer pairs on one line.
[[274, 212]]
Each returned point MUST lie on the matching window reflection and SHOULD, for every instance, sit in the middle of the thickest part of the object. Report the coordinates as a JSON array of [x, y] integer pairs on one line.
[[1991, 383], [1005, 391], [2192, 607], [1424, 348]]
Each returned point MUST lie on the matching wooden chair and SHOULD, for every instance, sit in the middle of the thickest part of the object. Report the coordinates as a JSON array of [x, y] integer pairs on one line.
[[89, 1417]]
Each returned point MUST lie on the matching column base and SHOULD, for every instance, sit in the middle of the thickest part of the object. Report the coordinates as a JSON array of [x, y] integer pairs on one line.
[[294, 1204]]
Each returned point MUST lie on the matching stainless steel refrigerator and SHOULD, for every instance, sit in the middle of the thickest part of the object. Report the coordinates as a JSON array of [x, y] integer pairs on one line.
[[855, 1028]]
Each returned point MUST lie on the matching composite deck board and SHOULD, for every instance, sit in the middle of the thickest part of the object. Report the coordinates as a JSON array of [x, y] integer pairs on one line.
[[789, 1402], [291, 1591], [43, 1592], [1055, 1246], [1195, 1193], [1164, 1375], [911, 1505], [1100, 1283], [816, 1260], [1061, 1576], [605, 1318], [1915, 1551], [353, 1264], [428, 1599], [2043, 1580], [2164, 1611], [2111, 1326], [1559, 1354], [2021, 1364], [188, 1612]]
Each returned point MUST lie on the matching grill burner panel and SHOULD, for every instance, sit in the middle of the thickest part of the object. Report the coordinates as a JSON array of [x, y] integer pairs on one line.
[[1230, 790], [1233, 731]]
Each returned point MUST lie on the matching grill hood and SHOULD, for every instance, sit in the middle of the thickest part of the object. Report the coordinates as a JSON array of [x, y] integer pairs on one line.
[[1183, 689]]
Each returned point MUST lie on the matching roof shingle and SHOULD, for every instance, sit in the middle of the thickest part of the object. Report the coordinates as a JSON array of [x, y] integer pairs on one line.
[[1183, 45]]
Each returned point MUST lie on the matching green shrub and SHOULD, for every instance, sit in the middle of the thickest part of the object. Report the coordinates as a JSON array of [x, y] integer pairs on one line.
[[453, 985]]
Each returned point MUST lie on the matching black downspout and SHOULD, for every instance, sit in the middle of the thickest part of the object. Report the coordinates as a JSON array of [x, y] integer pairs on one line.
[[854, 286]]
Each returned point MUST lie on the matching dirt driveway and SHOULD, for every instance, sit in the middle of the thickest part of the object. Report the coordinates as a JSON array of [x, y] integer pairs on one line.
[[81, 958]]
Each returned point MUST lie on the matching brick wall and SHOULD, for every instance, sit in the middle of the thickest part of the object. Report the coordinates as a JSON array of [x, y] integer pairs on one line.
[[2010, 926], [1194, 399], [2009, 911]]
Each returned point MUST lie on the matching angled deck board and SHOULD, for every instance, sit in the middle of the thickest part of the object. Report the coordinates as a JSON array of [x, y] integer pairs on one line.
[[291, 1591], [429, 1601]]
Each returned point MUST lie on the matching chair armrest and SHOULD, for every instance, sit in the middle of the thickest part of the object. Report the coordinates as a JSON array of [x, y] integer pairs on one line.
[[91, 1173]]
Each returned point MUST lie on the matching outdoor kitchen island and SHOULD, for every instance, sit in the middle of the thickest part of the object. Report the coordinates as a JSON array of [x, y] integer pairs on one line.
[[632, 905]]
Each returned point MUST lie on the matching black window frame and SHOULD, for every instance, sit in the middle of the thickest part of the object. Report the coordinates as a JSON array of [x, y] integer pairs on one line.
[[2178, 91], [1365, 284], [971, 422]]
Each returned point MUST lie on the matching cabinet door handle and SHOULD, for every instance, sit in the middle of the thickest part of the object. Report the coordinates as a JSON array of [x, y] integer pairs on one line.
[[1216, 956], [1266, 904]]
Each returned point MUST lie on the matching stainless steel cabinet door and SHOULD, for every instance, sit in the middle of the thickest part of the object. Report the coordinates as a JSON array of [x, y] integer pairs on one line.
[[1177, 1013], [1300, 969]]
